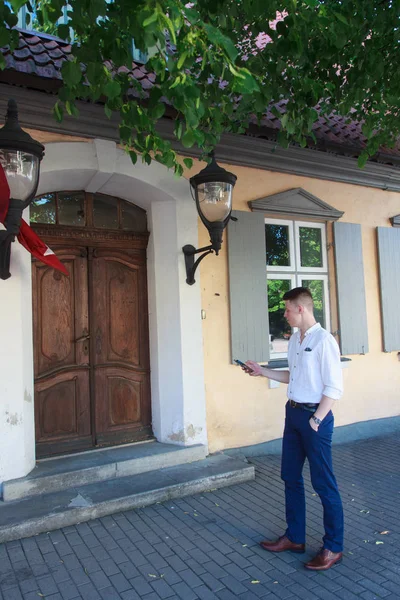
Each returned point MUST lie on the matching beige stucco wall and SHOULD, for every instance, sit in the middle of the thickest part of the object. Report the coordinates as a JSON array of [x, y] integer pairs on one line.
[[243, 411]]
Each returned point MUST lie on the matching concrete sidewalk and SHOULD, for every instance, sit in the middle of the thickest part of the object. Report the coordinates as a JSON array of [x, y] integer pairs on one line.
[[206, 546]]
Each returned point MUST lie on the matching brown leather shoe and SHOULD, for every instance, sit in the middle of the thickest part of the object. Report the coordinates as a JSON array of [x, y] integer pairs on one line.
[[324, 560], [281, 544]]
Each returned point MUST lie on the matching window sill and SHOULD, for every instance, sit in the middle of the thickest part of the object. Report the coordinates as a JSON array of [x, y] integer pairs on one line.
[[282, 363]]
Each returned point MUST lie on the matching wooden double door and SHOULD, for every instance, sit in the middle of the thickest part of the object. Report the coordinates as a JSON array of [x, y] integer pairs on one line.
[[92, 372]]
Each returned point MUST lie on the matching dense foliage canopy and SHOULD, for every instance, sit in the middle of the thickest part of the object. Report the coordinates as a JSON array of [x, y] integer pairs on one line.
[[219, 63]]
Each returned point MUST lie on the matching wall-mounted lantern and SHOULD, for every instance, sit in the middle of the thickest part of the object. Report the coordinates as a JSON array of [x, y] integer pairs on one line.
[[213, 196], [20, 157]]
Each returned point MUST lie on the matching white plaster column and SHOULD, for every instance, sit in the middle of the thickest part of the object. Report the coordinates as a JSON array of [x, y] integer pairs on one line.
[[17, 424], [176, 347]]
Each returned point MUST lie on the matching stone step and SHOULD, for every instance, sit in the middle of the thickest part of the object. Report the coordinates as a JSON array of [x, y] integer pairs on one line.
[[61, 473], [29, 516]]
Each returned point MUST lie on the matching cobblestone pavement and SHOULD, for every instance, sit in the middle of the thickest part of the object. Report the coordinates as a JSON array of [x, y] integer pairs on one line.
[[206, 546]]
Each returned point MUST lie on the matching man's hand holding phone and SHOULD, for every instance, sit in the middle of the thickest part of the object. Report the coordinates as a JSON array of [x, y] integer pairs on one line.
[[250, 367]]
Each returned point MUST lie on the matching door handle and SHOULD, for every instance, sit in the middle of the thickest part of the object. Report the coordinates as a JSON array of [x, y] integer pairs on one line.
[[82, 338]]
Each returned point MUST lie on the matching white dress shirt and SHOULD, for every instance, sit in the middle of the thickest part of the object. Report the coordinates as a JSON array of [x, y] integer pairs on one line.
[[314, 366]]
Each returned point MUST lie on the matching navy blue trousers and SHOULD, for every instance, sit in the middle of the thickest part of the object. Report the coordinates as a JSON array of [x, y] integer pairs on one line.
[[300, 441]]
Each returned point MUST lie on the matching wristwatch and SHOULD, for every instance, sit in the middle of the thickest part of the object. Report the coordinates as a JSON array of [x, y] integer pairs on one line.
[[316, 420]]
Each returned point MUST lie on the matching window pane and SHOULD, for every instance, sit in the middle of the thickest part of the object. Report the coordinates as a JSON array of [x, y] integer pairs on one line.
[[316, 287], [279, 328], [133, 218], [43, 209], [71, 208], [277, 243], [105, 212], [310, 247]]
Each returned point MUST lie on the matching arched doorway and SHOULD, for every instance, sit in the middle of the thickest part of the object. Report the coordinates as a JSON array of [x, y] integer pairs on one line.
[[91, 341]]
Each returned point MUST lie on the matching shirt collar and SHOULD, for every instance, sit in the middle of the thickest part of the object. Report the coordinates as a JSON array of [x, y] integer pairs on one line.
[[312, 329]]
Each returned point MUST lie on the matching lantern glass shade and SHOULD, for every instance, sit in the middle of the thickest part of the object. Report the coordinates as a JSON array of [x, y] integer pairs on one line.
[[215, 200], [22, 172]]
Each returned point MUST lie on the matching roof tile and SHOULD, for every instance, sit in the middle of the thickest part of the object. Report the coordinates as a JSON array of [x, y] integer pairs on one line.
[[44, 58]]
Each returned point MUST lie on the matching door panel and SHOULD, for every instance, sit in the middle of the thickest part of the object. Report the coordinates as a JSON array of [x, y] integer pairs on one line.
[[63, 412], [61, 326], [121, 353]]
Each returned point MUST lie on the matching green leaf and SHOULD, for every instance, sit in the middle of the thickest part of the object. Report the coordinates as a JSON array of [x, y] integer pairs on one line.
[[112, 89], [188, 138], [192, 15], [178, 129], [176, 82], [219, 39], [191, 118], [125, 133], [71, 108], [4, 38], [11, 19], [178, 173], [146, 158], [71, 73], [188, 162], [367, 130], [58, 112], [63, 31], [158, 111], [133, 156], [290, 127], [170, 26], [182, 60], [341, 18], [362, 159], [108, 111], [17, 4], [152, 19], [244, 82]]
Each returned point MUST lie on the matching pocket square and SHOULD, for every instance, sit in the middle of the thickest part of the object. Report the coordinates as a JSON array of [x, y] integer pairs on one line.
[[307, 349]]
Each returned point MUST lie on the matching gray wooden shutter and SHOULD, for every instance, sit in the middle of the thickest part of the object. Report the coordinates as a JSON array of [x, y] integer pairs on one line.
[[248, 287], [389, 269], [351, 288]]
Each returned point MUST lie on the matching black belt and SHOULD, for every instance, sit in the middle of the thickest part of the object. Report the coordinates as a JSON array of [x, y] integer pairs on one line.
[[304, 405]]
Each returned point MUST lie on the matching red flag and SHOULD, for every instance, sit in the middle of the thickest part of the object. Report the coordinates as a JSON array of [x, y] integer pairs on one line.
[[32, 242], [27, 237], [4, 195]]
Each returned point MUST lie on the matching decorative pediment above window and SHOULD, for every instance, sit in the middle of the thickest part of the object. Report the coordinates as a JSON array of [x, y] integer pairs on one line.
[[395, 221], [296, 203]]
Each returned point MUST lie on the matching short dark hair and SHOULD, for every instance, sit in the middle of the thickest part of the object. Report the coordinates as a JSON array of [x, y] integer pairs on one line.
[[298, 294]]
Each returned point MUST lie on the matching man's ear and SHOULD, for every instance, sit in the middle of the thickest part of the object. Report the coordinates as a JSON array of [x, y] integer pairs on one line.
[[300, 308]]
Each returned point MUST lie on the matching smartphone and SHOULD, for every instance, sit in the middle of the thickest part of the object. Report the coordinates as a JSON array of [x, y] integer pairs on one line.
[[242, 364]]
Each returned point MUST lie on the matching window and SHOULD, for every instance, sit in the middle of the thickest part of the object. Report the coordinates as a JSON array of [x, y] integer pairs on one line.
[[81, 209], [28, 20], [295, 256]]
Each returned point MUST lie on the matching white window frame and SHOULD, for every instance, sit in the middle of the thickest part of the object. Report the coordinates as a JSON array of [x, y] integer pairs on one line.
[[292, 266], [295, 272], [310, 225], [324, 278], [292, 278]]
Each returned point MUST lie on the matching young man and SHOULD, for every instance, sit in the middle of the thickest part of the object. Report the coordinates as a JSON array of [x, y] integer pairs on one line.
[[314, 383]]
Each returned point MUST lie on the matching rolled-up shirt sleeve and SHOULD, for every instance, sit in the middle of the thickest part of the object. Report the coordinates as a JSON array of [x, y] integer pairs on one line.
[[331, 369]]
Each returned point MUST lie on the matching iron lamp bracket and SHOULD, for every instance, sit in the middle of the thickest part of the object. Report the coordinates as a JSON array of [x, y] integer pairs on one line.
[[191, 265]]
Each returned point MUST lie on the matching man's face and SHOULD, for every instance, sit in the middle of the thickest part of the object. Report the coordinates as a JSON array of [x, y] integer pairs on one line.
[[292, 313]]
